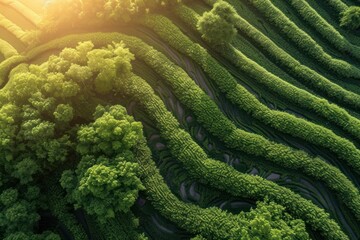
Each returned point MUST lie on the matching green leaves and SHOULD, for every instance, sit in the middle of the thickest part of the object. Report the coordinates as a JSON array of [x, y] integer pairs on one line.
[[112, 132], [106, 180], [217, 26], [104, 190], [350, 18]]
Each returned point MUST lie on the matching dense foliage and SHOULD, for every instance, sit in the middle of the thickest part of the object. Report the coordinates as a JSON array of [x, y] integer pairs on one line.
[[350, 18]]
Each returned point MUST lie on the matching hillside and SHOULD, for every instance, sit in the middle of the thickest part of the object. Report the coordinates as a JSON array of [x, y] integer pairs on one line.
[[191, 119]]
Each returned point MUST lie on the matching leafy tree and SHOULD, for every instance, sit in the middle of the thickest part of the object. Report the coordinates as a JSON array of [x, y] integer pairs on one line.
[[217, 26], [106, 180], [351, 18], [64, 113], [112, 132], [270, 221], [18, 214]]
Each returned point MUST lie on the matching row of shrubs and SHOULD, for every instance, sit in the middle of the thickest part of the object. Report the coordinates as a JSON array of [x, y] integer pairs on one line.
[[303, 40], [337, 5], [218, 174], [310, 77], [300, 97], [216, 123], [7, 65], [212, 223], [241, 97], [6, 50], [59, 208], [208, 113], [14, 29], [325, 29]]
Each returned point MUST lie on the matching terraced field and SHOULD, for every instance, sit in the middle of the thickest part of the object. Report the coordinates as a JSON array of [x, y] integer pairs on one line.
[[252, 137]]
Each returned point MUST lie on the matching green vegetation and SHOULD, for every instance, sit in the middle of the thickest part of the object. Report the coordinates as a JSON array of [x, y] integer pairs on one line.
[[303, 40], [170, 119], [350, 18], [328, 31]]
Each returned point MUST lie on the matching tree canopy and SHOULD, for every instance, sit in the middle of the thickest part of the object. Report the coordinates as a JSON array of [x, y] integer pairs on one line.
[[217, 25]]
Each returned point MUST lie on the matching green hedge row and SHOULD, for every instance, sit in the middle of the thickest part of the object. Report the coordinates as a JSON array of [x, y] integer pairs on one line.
[[241, 97], [209, 222], [309, 76], [218, 174], [303, 40], [208, 113], [6, 49], [298, 96], [7, 65], [14, 29], [59, 208], [325, 29], [337, 5], [216, 123]]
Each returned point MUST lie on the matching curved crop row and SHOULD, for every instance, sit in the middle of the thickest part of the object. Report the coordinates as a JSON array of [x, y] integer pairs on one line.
[[216, 123], [24, 10], [289, 92], [220, 175], [208, 113], [242, 98], [6, 49], [310, 77], [211, 223], [14, 29], [7, 65], [58, 207], [324, 28], [303, 40], [338, 5]]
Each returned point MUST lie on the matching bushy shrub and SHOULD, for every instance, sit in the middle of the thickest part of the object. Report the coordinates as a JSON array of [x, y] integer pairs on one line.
[[350, 18]]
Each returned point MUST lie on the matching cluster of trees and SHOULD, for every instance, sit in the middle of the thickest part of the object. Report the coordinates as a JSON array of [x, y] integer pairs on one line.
[[106, 180], [41, 108]]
